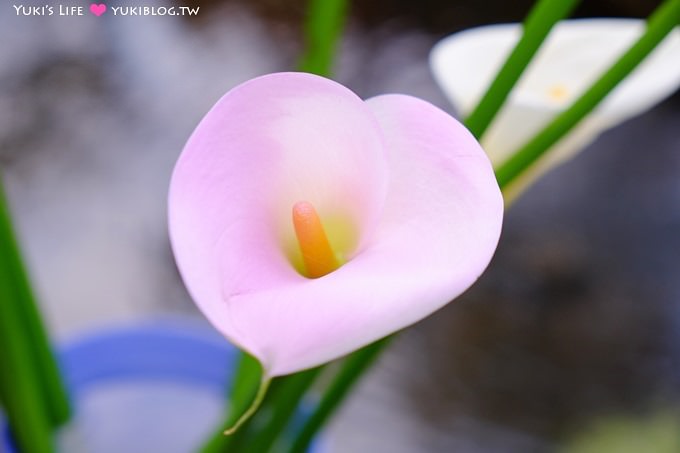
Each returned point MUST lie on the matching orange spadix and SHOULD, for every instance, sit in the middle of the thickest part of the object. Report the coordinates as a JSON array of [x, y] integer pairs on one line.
[[317, 254]]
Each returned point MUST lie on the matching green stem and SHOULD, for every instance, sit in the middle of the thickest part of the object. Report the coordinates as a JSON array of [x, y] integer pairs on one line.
[[259, 433], [285, 405], [30, 386], [259, 397], [352, 369], [541, 19], [244, 389], [660, 23], [323, 29], [19, 393], [50, 383]]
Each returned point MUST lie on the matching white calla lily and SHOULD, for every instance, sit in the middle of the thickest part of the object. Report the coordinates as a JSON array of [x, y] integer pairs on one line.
[[573, 56]]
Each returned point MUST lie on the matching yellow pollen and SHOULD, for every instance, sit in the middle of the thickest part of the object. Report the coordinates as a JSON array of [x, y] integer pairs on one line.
[[317, 255], [558, 92]]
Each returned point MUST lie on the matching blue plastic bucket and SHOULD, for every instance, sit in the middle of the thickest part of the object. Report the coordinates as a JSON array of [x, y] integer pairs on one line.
[[157, 387]]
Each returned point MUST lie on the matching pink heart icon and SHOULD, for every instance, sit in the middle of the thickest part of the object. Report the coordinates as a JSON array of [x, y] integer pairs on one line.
[[97, 9]]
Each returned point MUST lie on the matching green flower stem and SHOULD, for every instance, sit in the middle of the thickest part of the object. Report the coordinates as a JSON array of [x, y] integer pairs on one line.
[[659, 24], [323, 29], [285, 405], [243, 391], [260, 433], [19, 387], [352, 369], [30, 385], [51, 385], [250, 430], [252, 409], [541, 19]]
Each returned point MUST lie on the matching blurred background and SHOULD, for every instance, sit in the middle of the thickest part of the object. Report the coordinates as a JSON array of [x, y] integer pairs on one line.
[[576, 321]]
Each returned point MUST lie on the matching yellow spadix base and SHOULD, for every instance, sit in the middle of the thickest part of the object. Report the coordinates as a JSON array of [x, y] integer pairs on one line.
[[317, 255]]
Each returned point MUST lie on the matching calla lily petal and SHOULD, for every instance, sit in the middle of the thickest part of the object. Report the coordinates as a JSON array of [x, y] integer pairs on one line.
[[575, 53], [265, 145], [428, 220]]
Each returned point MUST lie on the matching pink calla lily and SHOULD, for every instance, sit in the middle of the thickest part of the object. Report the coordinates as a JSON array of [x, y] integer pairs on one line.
[[406, 196]]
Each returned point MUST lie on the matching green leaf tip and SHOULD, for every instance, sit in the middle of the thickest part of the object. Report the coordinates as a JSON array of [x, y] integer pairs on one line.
[[254, 406]]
